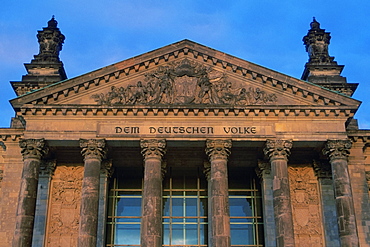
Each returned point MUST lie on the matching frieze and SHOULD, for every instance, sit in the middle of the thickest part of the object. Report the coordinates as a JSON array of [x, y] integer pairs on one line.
[[182, 83]]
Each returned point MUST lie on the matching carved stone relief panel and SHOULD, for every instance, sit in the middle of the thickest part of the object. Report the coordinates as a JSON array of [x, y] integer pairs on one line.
[[64, 206], [185, 82], [304, 191]]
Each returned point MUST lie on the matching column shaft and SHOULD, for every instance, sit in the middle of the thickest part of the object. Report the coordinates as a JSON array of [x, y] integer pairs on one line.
[[338, 151], [93, 152], [151, 221], [278, 151], [218, 151], [32, 151]]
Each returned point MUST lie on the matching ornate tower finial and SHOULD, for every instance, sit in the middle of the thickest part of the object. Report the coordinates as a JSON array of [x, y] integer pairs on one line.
[[321, 68], [46, 67]]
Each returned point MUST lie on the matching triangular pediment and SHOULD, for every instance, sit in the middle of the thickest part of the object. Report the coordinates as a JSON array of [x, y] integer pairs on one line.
[[185, 74]]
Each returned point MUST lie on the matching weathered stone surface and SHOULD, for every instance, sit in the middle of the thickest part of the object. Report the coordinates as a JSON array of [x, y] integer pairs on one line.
[[32, 150], [338, 152], [218, 194], [151, 221], [93, 151], [278, 151]]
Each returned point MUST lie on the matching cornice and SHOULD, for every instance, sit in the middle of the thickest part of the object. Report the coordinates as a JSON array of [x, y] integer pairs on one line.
[[8, 134], [188, 49], [191, 110]]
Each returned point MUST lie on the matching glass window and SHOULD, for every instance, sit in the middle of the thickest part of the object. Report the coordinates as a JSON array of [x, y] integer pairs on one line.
[[246, 224], [124, 208], [185, 208]]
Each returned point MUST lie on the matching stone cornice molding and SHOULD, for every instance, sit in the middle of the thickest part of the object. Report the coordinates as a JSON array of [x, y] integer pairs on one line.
[[337, 149], [33, 148], [196, 110], [173, 52], [278, 149], [93, 148], [218, 149], [153, 148]]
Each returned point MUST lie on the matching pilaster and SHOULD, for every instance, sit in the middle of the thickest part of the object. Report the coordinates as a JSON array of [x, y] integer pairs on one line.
[[264, 173], [338, 152], [93, 151], [218, 194], [47, 169], [151, 221], [324, 175], [278, 152]]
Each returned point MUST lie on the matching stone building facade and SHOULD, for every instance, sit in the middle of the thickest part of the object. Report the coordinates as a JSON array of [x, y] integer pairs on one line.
[[184, 146]]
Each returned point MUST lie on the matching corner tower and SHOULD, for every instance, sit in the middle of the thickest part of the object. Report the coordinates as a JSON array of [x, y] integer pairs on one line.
[[321, 68], [46, 67]]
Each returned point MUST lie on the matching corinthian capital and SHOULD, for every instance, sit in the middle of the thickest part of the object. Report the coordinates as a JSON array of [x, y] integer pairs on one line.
[[93, 148], [33, 148], [218, 149], [278, 149], [337, 149], [153, 148]]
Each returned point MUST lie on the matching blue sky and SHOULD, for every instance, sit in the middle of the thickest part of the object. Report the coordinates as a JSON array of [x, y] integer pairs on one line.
[[265, 32]]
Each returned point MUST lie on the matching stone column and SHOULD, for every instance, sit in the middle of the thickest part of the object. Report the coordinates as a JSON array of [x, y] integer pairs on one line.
[[93, 151], [264, 173], [106, 172], [32, 150], [218, 194], [47, 169], [329, 213], [278, 151], [338, 152], [151, 221]]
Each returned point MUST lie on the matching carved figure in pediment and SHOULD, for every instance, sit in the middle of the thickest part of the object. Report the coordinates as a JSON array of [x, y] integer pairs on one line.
[[184, 82]]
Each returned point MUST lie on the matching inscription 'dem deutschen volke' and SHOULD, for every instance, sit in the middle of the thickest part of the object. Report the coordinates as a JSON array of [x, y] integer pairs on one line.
[[191, 130]]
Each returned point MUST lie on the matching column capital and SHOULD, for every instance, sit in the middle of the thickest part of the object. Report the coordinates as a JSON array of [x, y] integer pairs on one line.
[[47, 168], [207, 170], [322, 169], [337, 149], [107, 168], [218, 149], [153, 148], [278, 149], [263, 169], [93, 148], [33, 148]]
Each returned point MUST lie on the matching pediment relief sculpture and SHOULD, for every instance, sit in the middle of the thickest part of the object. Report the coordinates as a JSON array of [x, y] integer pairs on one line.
[[183, 83]]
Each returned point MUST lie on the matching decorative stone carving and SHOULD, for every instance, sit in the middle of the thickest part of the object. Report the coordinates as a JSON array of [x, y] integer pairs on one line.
[[317, 42], [218, 149], [2, 144], [306, 208], [337, 149], [322, 169], [278, 149], [51, 42], [33, 148], [64, 206], [93, 148], [153, 148], [184, 82]]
